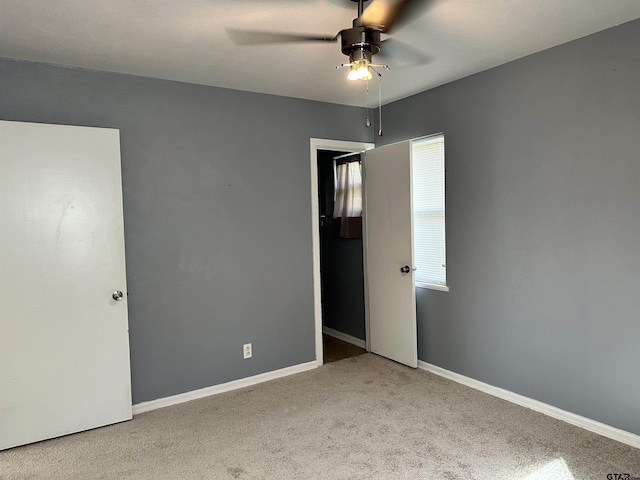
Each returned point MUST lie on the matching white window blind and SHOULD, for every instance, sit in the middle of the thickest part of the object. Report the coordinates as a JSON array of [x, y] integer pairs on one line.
[[429, 212]]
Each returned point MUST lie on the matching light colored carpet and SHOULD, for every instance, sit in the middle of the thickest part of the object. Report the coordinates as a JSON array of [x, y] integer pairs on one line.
[[359, 418]]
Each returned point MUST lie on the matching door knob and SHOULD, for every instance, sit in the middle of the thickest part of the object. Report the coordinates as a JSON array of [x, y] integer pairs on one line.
[[406, 269], [117, 295]]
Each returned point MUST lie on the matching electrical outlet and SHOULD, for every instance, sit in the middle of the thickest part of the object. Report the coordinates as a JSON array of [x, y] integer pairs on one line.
[[246, 350]]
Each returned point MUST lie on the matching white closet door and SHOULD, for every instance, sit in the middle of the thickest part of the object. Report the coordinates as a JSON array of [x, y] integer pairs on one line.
[[64, 342], [391, 297]]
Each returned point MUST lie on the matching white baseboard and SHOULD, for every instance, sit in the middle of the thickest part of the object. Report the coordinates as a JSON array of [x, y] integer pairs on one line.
[[344, 337], [555, 412], [224, 387]]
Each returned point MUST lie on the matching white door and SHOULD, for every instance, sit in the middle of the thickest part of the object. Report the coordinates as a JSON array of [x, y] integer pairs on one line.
[[391, 297], [64, 342]]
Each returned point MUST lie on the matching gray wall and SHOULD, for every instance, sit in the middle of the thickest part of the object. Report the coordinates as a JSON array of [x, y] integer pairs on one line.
[[217, 215], [543, 225]]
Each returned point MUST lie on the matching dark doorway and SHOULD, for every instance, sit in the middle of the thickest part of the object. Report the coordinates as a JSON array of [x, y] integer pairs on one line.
[[335, 349], [341, 270]]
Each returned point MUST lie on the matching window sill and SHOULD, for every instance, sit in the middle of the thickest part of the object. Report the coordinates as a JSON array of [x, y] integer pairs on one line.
[[432, 286]]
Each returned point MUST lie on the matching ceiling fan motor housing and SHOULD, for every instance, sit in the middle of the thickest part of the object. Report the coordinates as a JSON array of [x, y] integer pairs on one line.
[[360, 43]]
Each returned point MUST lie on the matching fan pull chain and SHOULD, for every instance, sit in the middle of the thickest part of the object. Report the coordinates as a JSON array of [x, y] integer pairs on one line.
[[366, 104], [380, 103], [379, 94]]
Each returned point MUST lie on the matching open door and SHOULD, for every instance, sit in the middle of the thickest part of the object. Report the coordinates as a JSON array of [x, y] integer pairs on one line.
[[64, 341], [391, 298]]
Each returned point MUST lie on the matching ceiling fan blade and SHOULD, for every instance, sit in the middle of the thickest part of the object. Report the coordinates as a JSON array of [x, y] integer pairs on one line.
[[258, 37], [399, 54], [388, 15]]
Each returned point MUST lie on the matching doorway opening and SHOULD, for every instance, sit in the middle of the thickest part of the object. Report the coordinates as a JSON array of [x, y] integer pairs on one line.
[[341, 259], [339, 286]]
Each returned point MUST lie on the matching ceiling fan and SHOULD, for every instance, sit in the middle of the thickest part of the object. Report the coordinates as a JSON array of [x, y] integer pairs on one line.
[[360, 42]]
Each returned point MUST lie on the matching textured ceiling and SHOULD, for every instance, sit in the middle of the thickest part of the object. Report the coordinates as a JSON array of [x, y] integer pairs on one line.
[[185, 40]]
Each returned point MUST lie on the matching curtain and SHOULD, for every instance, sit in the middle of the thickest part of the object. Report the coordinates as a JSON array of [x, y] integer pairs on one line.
[[348, 204]]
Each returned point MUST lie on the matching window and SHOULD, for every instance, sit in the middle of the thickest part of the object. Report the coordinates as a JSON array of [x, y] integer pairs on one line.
[[348, 189], [429, 212], [348, 195]]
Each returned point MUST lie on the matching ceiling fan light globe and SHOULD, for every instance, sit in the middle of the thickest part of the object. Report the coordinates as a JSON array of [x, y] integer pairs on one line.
[[364, 73], [353, 74]]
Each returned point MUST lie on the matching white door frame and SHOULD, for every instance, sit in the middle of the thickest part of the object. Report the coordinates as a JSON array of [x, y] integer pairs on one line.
[[317, 144]]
